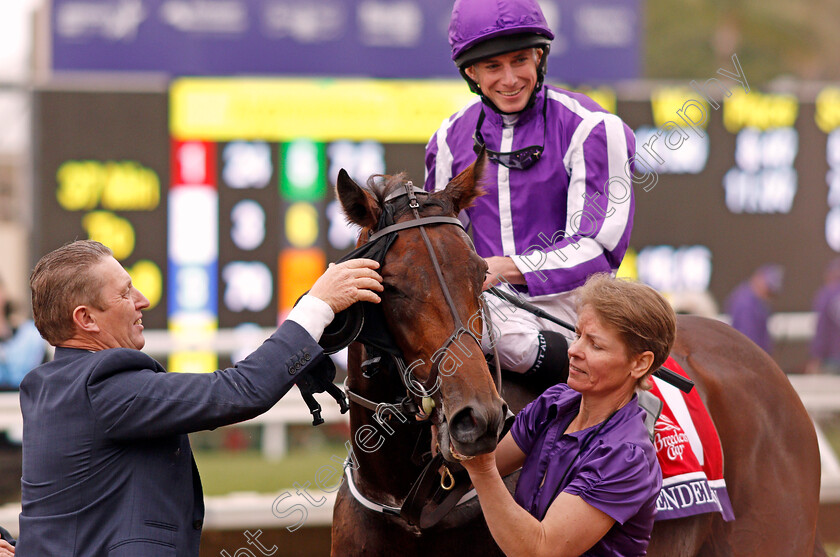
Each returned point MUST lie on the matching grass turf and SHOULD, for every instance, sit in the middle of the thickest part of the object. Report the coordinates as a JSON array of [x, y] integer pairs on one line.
[[225, 472]]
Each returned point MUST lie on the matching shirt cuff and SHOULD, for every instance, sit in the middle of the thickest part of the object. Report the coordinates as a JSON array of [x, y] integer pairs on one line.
[[313, 314]]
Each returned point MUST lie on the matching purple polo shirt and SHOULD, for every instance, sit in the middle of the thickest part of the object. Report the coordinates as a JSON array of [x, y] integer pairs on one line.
[[613, 468], [749, 315], [826, 342]]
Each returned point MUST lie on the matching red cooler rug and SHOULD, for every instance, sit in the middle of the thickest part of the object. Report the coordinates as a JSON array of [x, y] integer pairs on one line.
[[689, 452]]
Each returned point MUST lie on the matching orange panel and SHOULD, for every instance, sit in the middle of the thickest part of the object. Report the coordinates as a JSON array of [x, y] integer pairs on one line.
[[297, 271]]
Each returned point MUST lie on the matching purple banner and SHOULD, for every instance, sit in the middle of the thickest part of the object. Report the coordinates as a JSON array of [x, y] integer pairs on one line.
[[690, 494], [597, 41]]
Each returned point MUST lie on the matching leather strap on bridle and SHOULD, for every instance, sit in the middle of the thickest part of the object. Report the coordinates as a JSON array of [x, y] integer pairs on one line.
[[428, 501], [421, 221]]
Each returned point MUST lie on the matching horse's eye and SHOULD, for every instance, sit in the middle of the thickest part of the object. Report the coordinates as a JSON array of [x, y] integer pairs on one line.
[[391, 290]]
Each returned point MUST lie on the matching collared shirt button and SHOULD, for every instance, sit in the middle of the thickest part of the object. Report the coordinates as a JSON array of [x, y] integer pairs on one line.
[[507, 133]]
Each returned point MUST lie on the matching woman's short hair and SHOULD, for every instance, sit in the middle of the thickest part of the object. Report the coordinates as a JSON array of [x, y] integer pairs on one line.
[[63, 280], [643, 318]]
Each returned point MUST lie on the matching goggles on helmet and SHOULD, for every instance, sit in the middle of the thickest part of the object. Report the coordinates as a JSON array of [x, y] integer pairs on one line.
[[521, 159]]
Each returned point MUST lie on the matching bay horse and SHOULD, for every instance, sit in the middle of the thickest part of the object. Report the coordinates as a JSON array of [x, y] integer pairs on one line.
[[432, 278]]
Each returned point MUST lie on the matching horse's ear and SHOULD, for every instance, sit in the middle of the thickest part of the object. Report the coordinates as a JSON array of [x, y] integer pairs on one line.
[[360, 206], [466, 186]]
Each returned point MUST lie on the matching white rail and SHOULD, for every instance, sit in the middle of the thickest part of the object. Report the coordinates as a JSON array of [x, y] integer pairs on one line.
[[819, 393]]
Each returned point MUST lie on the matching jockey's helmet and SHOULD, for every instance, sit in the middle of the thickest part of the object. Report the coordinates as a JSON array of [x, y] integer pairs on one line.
[[483, 28]]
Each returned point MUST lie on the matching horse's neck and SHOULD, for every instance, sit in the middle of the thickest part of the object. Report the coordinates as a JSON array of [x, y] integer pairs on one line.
[[383, 443]]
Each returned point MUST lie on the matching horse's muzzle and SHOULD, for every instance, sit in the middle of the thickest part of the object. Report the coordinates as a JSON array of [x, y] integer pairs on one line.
[[476, 430]]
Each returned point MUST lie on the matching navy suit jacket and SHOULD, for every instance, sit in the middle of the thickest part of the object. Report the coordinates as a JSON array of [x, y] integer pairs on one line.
[[107, 465], [5, 535]]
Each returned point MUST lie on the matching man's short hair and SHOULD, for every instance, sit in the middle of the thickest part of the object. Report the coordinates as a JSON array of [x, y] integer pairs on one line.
[[61, 281]]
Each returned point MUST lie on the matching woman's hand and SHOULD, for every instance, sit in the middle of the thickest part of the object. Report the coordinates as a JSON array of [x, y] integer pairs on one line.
[[481, 464]]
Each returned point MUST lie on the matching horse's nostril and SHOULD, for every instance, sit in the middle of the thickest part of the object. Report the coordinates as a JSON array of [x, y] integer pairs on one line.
[[467, 426]]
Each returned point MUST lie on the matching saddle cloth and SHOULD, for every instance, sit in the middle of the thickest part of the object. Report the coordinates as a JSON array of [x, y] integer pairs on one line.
[[689, 452]]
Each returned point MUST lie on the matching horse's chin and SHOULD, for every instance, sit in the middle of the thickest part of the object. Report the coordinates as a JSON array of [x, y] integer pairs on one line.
[[447, 445]]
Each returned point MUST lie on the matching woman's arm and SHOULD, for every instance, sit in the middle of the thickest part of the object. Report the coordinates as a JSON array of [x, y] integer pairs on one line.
[[509, 457], [571, 526]]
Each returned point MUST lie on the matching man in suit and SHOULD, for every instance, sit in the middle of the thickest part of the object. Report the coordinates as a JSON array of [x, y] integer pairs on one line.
[[107, 464], [7, 543]]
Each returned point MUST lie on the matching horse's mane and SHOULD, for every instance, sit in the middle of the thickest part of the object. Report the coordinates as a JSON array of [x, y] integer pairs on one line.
[[383, 185]]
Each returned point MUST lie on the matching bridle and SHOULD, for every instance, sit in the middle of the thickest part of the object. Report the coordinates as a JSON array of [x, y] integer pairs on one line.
[[386, 234], [428, 499]]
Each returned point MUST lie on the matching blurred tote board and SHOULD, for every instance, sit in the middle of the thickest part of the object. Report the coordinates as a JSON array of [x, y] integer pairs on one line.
[[217, 194]]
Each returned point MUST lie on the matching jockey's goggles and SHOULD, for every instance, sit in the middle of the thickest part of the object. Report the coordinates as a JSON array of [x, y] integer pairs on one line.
[[521, 159]]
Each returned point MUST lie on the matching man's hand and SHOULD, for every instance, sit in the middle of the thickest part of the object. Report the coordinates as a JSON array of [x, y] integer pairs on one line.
[[6, 550], [344, 284], [501, 267]]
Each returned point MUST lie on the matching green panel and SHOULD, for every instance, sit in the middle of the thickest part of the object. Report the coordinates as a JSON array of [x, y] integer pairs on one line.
[[303, 170]]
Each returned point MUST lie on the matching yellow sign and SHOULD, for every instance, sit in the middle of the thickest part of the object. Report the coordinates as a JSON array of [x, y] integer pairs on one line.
[[604, 96], [759, 110], [828, 109], [302, 225], [147, 278], [391, 111], [115, 232], [679, 105], [629, 266], [193, 362], [118, 186]]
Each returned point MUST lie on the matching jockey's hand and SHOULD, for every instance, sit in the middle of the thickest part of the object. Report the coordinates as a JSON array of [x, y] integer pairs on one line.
[[501, 267]]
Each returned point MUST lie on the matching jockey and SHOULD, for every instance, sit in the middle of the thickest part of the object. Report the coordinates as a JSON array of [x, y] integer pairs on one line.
[[551, 215]]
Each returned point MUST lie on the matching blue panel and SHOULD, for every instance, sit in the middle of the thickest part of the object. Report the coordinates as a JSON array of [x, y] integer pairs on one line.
[[597, 40]]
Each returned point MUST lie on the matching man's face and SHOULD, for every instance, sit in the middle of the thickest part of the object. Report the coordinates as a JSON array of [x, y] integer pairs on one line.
[[508, 79], [120, 323]]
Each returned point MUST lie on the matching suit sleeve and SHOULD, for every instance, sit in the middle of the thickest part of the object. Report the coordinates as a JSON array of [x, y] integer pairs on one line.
[[132, 397], [5, 535]]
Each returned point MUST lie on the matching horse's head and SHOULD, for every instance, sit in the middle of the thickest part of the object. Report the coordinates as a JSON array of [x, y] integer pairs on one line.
[[434, 315]]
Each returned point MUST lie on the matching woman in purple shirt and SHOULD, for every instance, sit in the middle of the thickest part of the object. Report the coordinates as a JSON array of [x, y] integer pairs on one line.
[[590, 477]]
